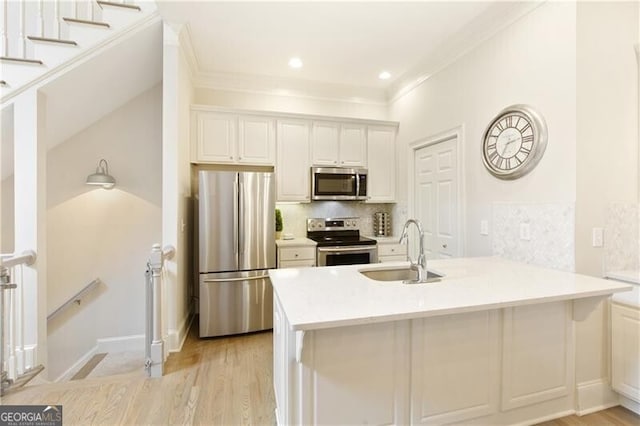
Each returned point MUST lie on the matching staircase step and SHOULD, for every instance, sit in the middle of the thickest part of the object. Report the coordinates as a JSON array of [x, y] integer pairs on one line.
[[21, 381], [53, 40], [123, 5], [22, 60], [85, 22], [89, 366]]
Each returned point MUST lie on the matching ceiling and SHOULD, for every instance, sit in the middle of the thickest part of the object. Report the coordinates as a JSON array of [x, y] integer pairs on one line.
[[340, 43]]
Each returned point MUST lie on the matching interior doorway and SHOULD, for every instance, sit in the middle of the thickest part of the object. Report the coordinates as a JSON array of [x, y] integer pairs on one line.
[[436, 193]]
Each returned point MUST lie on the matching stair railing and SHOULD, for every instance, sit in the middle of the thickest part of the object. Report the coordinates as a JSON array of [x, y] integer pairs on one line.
[[12, 322], [154, 341]]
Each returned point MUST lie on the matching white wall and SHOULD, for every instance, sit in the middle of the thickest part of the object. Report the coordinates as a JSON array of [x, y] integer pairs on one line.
[[176, 189], [105, 234], [296, 104], [532, 61], [607, 111], [7, 216]]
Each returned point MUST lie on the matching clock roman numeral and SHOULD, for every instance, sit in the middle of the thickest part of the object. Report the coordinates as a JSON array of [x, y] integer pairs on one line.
[[525, 128], [517, 122], [509, 120], [499, 125], [493, 156], [500, 161], [527, 139], [525, 150]]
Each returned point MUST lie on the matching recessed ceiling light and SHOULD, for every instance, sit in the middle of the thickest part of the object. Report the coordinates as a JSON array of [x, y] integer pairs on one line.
[[384, 75], [295, 62]]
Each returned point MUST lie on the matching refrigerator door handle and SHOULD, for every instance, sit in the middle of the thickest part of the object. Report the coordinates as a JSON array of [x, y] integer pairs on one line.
[[241, 217], [235, 216], [226, 280]]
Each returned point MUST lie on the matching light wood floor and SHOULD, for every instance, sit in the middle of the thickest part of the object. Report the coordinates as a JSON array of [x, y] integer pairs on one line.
[[222, 381]]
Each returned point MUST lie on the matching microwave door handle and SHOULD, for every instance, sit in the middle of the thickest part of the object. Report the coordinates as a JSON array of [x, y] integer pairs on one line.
[[357, 184]]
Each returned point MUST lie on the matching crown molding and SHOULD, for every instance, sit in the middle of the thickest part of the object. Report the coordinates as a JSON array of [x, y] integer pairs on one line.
[[473, 35], [278, 86], [186, 42]]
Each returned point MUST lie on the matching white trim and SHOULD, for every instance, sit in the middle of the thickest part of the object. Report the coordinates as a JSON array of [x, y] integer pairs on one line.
[[186, 44], [178, 337], [594, 395], [629, 404], [461, 44], [545, 418], [86, 55], [76, 365], [458, 133], [292, 116], [289, 87], [121, 344]]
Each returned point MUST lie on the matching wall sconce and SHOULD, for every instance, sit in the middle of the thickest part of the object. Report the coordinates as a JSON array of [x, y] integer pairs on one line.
[[102, 177]]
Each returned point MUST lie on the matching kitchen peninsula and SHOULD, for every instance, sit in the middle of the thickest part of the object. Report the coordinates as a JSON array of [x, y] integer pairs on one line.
[[491, 343]]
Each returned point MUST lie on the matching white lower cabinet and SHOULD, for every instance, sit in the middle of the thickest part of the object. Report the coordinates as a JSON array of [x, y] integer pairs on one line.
[[625, 350], [505, 366], [391, 251], [296, 256]]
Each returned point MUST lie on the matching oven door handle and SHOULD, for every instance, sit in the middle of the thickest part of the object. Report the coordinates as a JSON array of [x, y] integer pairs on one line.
[[344, 249]]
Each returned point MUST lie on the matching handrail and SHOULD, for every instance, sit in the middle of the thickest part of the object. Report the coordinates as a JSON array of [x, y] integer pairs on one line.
[[76, 298], [27, 257]]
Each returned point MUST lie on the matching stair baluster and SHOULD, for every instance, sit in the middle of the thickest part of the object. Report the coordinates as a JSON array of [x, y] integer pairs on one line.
[[41, 18], [22, 35]]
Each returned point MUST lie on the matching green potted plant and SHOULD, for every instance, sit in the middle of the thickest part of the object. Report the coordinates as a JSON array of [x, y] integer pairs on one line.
[[278, 224]]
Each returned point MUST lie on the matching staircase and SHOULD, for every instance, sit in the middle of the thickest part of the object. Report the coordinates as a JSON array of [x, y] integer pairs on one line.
[[50, 52], [41, 39]]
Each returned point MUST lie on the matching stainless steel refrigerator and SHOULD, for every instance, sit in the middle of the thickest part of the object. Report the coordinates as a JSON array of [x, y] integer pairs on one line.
[[236, 233]]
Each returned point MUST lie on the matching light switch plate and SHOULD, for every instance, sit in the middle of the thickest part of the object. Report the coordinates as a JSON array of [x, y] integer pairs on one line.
[[597, 237], [525, 232], [484, 227]]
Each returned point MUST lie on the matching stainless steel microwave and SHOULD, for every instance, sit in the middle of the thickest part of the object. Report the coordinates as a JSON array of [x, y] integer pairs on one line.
[[338, 183]]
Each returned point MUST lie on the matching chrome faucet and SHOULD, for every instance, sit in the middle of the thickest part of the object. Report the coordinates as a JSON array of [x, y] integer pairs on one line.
[[421, 265]]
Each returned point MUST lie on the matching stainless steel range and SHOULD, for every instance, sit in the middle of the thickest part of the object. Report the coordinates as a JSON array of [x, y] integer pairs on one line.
[[340, 243]]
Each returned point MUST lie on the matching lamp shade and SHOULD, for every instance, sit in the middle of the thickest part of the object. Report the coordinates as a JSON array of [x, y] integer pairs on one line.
[[102, 177]]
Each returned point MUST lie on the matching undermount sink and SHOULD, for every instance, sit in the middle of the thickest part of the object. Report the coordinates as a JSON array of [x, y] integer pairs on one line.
[[399, 274]]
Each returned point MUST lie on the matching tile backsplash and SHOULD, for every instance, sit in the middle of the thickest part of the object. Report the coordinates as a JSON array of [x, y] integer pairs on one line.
[[622, 237], [294, 216], [551, 229]]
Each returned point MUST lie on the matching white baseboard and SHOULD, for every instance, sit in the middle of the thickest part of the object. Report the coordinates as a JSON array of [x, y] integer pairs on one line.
[[629, 404], [593, 396], [77, 365], [121, 344], [177, 338]]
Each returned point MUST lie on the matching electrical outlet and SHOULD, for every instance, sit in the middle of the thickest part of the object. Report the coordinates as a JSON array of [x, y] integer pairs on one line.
[[597, 237], [484, 227], [525, 232]]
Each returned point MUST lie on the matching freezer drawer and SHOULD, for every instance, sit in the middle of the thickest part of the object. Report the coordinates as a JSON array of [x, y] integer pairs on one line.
[[235, 302]]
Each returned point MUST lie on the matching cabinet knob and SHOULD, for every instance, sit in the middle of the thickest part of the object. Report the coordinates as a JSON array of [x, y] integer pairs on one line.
[[231, 157], [296, 254], [444, 246]]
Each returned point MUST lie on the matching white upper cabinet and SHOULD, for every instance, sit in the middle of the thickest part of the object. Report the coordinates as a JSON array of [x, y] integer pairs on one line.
[[339, 145], [381, 154], [232, 139], [353, 145], [214, 136], [325, 143], [293, 168], [256, 140]]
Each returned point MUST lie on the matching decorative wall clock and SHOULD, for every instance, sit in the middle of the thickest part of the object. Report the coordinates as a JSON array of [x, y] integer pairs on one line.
[[514, 142]]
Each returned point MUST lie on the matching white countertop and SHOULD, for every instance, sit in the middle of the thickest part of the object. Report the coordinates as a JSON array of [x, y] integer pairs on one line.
[[315, 298], [632, 297], [296, 242]]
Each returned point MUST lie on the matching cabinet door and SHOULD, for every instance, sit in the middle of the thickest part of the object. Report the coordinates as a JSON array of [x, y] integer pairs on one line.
[[324, 144], [256, 140], [353, 146], [292, 166], [215, 135], [381, 154], [625, 351]]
